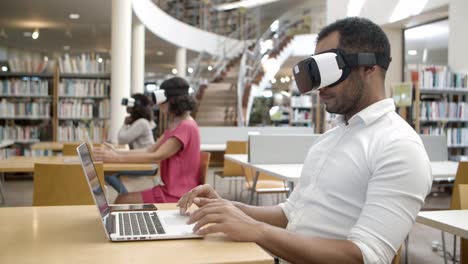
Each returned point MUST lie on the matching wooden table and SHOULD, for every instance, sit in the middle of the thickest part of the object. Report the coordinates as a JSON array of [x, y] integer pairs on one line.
[[26, 164], [74, 234]]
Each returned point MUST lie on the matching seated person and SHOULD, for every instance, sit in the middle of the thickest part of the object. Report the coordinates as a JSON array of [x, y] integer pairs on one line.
[[137, 132], [363, 182], [178, 150]]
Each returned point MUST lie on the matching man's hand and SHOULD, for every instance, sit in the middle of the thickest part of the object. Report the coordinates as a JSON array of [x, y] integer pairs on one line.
[[203, 191], [218, 215]]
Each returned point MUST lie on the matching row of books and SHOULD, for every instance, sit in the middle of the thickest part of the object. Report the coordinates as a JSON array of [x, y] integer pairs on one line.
[[5, 153], [30, 65], [85, 63], [84, 88], [431, 110], [301, 101], [96, 131], [456, 137], [78, 108], [19, 133], [300, 115], [24, 87], [439, 77], [25, 109]]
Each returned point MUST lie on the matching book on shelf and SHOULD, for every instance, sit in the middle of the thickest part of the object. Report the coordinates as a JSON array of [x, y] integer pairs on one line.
[[20, 133], [39, 109], [24, 87], [438, 77], [83, 64], [84, 88], [96, 131]]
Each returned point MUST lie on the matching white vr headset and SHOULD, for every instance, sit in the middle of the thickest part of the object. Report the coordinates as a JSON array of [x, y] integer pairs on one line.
[[161, 96], [129, 102], [332, 67]]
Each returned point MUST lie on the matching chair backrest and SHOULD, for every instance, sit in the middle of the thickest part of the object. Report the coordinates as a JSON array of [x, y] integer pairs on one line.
[[69, 148], [204, 162], [436, 147], [460, 178], [234, 147], [463, 190], [62, 184]]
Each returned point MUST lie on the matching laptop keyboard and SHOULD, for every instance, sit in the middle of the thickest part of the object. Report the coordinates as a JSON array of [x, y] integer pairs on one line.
[[140, 223]]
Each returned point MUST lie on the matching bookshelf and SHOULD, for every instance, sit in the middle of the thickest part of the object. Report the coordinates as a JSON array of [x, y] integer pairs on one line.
[[301, 111], [441, 106], [83, 106], [25, 109]]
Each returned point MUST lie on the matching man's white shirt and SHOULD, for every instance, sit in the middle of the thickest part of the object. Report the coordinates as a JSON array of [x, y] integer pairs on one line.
[[364, 182]]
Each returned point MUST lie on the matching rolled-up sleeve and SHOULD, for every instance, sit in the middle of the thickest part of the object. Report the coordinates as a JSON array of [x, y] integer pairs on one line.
[[395, 194]]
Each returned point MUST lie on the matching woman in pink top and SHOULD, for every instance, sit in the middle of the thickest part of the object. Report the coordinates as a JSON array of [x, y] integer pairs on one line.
[[178, 150]]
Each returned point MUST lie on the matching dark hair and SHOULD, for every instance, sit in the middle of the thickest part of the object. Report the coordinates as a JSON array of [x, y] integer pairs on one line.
[[180, 104], [142, 108], [358, 35], [175, 86]]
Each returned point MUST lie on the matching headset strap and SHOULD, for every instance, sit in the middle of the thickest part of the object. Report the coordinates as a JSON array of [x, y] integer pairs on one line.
[[367, 59]]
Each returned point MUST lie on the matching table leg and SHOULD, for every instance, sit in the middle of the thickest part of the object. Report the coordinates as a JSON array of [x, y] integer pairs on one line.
[[254, 185]]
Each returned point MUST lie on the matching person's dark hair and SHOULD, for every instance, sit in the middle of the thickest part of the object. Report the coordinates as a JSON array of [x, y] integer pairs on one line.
[[142, 108], [358, 35], [175, 86], [180, 104]]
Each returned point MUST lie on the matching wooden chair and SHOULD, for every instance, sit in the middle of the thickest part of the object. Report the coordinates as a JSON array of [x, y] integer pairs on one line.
[[204, 163], [69, 148], [266, 184], [231, 170], [463, 193], [62, 184]]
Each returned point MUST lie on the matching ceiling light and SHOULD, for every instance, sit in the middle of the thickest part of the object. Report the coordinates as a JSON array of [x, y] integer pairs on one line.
[[412, 52], [210, 68], [46, 58], [35, 34], [406, 8], [100, 60], [74, 16], [282, 80], [267, 93], [274, 26], [424, 56], [190, 70], [174, 71], [287, 79], [243, 3], [159, 53], [273, 80], [354, 7], [427, 31], [4, 68], [66, 47]]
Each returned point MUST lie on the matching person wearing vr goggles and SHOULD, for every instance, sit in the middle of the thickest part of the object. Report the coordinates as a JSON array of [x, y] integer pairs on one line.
[[363, 182], [137, 132], [177, 151]]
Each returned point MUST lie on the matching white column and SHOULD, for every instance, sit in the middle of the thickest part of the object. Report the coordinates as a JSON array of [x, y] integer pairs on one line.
[[181, 62], [458, 39], [120, 55], [394, 72], [138, 57]]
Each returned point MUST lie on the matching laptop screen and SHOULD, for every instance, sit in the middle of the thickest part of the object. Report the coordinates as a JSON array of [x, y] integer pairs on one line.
[[91, 174]]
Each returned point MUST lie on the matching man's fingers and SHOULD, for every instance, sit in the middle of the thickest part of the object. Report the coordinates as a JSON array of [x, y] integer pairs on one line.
[[209, 219], [211, 229], [202, 212]]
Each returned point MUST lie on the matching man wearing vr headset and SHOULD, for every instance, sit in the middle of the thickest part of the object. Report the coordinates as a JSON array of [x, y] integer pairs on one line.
[[177, 151], [362, 183]]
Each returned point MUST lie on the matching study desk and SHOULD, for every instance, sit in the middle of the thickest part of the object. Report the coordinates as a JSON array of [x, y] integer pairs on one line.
[[287, 172], [26, 164], [451, 221], [74, 234], [212, 147]]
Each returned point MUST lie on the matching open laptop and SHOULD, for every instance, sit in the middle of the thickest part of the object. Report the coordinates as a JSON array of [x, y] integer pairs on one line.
[[133, 224]]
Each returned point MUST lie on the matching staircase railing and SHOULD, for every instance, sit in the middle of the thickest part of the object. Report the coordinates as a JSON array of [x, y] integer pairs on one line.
[[253, 60]]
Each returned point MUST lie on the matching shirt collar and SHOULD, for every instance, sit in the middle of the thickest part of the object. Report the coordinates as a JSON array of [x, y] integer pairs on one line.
[[371, 113]]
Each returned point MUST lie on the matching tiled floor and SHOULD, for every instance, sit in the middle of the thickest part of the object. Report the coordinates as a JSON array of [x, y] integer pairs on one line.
[[18, 192]]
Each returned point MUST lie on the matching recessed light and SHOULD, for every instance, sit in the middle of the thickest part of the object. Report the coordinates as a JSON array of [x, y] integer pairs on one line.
[[174, 71], [412, 52], [159, 53], [66, 47], [190, 70], [4, 68], [210, 68], [35, 34], [74, 16], [100, 60], [46, 58]]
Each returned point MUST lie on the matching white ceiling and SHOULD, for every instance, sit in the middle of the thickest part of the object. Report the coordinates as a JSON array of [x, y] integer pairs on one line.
[[90, 33]]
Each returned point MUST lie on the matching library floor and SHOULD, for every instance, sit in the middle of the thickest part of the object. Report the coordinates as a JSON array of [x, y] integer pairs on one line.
[[18, 191]]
